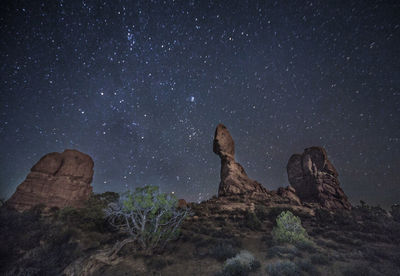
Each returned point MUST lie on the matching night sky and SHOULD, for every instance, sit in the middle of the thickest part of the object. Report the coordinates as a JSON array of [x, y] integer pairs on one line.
[[141, 85]]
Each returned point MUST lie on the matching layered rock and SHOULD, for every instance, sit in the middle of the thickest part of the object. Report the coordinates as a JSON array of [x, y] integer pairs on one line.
[[234, 180], [57, 180], [315, 179], [289, 193]]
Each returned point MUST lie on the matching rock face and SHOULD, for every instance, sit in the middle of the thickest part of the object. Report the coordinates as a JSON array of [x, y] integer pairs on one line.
[[290, 194], [315, 179], [58, 179], [234, 180]]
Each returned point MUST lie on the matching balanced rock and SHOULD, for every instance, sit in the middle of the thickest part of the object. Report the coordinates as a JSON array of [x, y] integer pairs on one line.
[[57, 180], [315, 179], [234, 180]]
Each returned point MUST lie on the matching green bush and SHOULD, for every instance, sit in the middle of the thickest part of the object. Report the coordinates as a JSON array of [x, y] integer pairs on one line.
[[288, 229], [150, 217]]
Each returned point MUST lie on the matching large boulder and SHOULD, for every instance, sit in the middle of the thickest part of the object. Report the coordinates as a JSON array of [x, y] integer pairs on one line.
[[315, 179], [57, 180], [234, 180]]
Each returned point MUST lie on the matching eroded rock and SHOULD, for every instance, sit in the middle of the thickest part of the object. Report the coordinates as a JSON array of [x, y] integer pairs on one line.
[[57, 180], [234, 179], [315, 179]]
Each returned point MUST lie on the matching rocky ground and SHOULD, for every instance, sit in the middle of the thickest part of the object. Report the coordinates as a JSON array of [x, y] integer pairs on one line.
[[363, 241]]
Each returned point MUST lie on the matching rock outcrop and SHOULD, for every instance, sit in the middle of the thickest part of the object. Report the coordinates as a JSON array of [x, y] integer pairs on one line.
[[289, 193], [315, 179], [234, 180], [182, 203], [57, 180]]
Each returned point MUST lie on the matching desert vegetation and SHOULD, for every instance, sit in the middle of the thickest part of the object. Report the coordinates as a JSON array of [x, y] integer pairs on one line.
[[268, 240], [149, 217], [289, 229]]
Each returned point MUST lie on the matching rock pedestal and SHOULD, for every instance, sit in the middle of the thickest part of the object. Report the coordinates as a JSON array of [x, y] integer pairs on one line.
[[315, 179], [57, 180], [234, 180]]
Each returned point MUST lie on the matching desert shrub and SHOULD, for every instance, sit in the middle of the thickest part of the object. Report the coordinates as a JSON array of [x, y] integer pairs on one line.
[[91, 217], [329, 244], [395, 212], [20, 232], [288, 229], [158, 262], [93, 212], [240, 265], [251, 221], [343, 218], [347, 240], [283, 268], [306, 245], [305, 265], [323, 216], [58, 238], [223, 250], [360, 269], [150, 217], [320, 259], [67, 214], [33, 245], [284, 251], [261, 212]]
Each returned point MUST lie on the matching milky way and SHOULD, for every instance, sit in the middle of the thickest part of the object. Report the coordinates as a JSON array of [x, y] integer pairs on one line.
[[141, 85]]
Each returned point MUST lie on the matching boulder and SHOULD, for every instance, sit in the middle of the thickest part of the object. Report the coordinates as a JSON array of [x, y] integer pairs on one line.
[[315, 179], [234, 179], [57, 180], [182, 204]]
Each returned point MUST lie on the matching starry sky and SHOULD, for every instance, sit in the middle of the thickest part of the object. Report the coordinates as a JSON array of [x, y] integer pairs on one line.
[[141, 85]]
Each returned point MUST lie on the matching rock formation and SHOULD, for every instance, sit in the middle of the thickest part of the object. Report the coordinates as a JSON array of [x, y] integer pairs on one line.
[[234, 180], [315, 179], [289, 193], [182, 203], [58, 179]]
